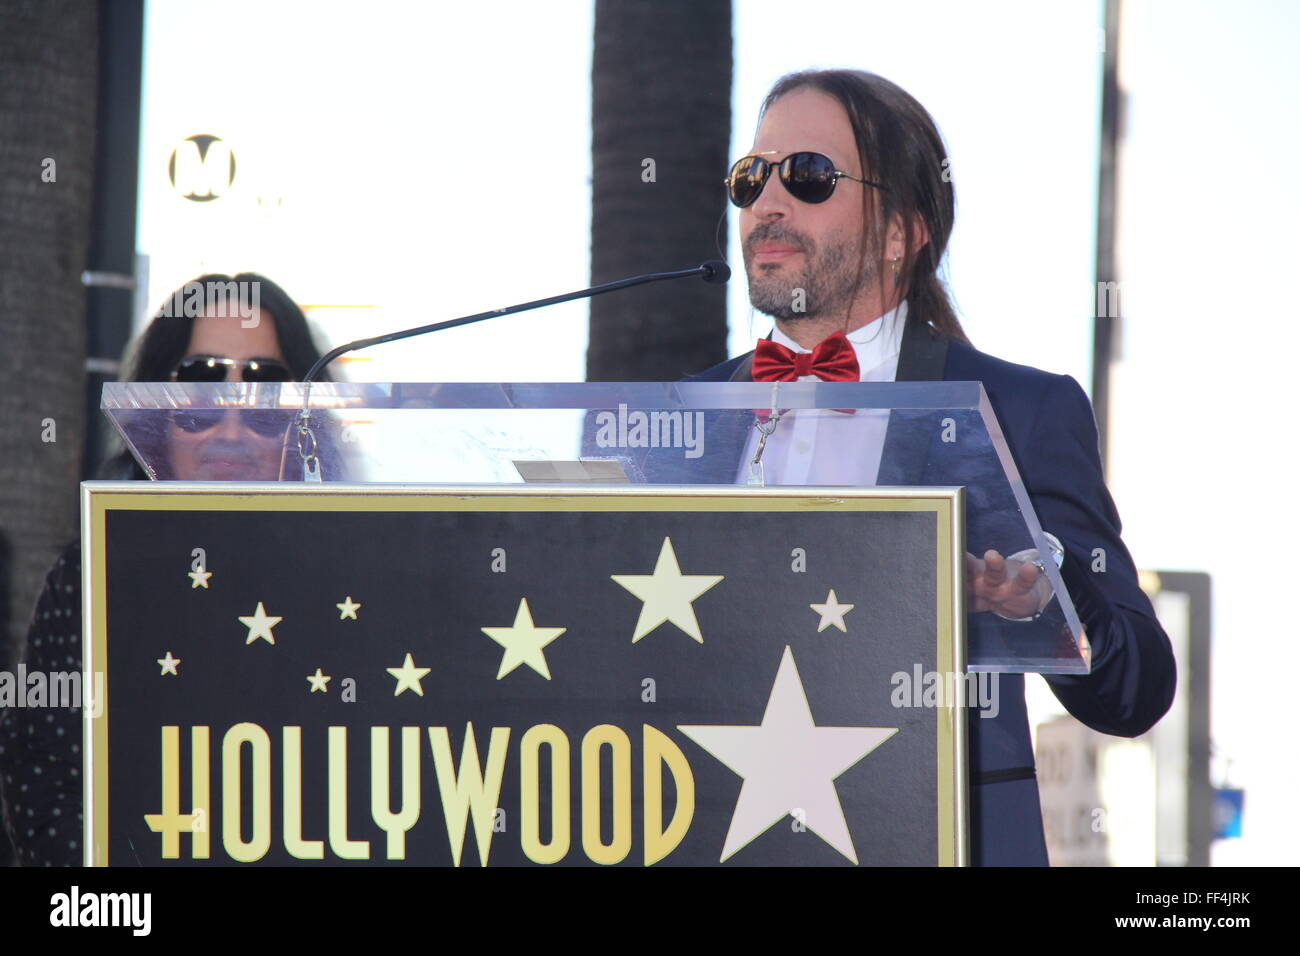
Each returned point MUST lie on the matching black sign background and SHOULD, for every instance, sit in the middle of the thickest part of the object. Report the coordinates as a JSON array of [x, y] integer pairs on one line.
[[425, 584]]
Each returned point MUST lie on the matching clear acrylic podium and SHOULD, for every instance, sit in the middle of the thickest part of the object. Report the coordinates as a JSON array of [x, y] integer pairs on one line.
[[937, 435]]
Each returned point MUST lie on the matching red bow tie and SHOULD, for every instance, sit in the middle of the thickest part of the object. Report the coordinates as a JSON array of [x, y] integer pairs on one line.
[[832, 361]]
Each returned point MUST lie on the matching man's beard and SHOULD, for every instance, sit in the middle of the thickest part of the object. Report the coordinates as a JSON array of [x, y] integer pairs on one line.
[[828, 280]]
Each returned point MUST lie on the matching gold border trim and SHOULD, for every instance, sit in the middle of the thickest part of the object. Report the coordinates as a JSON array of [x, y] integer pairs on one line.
[[947, 505]]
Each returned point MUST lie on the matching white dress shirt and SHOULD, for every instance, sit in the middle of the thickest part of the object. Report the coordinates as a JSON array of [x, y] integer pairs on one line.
[[826, 447], [823, 446]]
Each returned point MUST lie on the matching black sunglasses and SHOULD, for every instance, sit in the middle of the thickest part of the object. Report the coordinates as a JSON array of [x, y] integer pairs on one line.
[[808, 177], [214, 368], [267, 422]]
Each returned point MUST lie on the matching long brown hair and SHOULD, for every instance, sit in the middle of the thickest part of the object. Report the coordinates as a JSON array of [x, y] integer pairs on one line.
[[899, 146]]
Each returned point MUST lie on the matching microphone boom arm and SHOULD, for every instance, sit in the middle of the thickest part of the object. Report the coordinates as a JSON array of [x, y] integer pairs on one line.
[[712, 271]]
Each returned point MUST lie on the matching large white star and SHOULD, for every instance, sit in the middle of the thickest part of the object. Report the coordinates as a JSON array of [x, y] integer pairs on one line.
[[523, 642], [789, 765], [348, 609], [667, 594], [260, 624], [832, 613]]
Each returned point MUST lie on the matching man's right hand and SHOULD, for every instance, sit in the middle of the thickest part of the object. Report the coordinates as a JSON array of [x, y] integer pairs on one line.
[[1014, 590]]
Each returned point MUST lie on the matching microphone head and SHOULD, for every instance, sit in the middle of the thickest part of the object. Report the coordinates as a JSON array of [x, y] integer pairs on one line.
[[716, 271]]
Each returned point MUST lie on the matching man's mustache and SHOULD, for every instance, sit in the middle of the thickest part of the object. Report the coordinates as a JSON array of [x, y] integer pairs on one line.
[[775, 232]]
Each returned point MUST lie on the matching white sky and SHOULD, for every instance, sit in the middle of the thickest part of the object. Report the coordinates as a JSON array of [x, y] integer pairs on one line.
[[1202, 432], [357, 128]]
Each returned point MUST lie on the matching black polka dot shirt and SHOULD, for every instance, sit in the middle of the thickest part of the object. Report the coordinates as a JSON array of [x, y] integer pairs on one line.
[[41, 747]]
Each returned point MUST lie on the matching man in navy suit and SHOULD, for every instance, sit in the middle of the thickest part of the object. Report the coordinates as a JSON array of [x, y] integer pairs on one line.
[[846, 208]]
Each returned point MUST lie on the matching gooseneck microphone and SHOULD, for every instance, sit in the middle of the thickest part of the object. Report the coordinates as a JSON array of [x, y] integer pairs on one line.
[[713, 271]]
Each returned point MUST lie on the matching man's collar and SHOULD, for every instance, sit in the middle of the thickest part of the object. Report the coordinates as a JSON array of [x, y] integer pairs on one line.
[[877, 341]]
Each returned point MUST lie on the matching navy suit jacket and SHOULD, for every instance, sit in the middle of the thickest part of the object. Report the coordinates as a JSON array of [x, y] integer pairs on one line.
[[1049, 427]]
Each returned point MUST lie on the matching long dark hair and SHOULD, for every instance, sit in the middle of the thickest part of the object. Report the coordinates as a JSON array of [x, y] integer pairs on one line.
[[899, 146], [166, 340]]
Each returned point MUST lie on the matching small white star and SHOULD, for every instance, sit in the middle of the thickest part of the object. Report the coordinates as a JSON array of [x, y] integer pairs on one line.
[[523, 642], [668, 594], [832, 613], [169, 665], [259, 625], [347, 609], [199, 579], [408, 676], [318, 682]]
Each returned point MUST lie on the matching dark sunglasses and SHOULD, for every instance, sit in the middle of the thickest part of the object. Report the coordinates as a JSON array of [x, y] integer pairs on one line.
[[808, 177], [214, 368], [266, 422]]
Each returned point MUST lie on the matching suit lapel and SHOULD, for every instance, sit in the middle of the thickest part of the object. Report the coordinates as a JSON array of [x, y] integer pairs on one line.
[[727, 432], [745, 370], [922, 356]]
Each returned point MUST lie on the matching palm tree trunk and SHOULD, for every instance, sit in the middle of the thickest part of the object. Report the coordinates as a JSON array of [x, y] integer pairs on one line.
[[661, 131], [49, 60]]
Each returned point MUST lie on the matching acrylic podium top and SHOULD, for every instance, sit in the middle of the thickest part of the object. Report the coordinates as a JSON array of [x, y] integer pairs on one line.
[[897, 434]]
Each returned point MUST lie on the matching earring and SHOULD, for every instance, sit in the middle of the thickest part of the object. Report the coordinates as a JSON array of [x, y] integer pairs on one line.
[[898, 279]]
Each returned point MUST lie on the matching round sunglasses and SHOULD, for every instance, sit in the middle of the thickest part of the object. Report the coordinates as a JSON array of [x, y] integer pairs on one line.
[[214, 368], [267, 422], [808, 177]]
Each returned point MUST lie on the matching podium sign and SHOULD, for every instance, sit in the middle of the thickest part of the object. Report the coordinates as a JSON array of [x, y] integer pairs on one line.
[[345, 674]]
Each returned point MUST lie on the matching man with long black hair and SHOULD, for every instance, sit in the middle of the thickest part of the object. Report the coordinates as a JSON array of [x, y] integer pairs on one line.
[[846, 209]]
